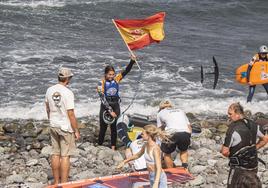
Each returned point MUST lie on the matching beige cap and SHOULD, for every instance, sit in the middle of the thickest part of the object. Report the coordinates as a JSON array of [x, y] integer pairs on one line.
[[165, 103], [65, 72]]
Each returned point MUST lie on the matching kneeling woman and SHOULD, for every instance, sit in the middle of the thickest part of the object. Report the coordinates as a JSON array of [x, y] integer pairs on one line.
[[108, 90], [152, 154]]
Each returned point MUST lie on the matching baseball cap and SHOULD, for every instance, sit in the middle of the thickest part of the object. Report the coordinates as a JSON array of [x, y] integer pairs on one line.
[[65, 72]]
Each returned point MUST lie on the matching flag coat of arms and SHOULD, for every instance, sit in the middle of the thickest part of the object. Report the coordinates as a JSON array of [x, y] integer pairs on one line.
[[138, 33]]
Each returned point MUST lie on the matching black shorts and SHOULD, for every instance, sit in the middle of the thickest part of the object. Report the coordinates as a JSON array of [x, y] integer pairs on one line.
[[180, 140]]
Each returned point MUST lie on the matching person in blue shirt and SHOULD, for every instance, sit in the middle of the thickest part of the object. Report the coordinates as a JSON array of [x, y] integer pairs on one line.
[[108, 90]]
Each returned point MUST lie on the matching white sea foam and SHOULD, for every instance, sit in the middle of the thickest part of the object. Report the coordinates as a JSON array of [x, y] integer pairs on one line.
[[33, 3], [209, 106]]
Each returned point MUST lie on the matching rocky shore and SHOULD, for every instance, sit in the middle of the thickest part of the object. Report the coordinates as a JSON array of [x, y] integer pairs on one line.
[[25, 149]]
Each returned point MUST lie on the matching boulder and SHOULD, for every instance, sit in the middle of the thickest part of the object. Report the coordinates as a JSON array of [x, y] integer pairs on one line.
[[198, 169], [11, 128], [38, 176], [2, 131], [206, 133], [212, 162], [105, 154], [265, 177], [84, 175], [46, 151], [199, 180], [15, 178], [222, 128]]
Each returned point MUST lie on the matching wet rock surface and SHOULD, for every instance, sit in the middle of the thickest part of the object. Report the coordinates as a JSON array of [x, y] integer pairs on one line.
[[25, 154]]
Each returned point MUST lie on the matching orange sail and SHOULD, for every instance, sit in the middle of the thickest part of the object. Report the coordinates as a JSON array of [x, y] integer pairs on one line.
[[142, 32]]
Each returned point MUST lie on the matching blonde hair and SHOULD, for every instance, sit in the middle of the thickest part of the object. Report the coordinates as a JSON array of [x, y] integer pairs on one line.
[[165, 104], [155, 132]]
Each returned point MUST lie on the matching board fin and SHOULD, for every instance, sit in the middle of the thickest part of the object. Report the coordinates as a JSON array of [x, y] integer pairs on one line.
[[215, 73]]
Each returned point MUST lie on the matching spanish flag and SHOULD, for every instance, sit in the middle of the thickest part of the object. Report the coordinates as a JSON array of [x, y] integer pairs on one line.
[[142, 32]]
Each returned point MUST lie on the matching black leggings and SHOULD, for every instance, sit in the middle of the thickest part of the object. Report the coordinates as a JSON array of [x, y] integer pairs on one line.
[[252, 90], [103, 125]]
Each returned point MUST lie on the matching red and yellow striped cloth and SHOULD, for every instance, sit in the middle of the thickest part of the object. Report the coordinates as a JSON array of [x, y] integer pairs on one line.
[[142, 32]]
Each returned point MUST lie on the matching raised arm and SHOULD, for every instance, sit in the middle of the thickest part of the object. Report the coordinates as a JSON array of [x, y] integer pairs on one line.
[[129, 67], [122, 74]]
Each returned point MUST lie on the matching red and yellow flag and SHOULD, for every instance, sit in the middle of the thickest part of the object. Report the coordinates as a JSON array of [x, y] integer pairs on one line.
[[142, 32]]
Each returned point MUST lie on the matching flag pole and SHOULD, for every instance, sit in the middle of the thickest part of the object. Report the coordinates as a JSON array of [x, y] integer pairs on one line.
[[130, 51]]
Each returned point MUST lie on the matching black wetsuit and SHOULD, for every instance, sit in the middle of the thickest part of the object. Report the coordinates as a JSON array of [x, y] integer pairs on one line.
[[111, 102], [241, 139]]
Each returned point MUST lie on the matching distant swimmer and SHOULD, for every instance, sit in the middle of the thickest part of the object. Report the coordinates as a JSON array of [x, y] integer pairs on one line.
[[176, 124], [152, 155], [108, 90], [261, 56], [133, 147], [241, 146]]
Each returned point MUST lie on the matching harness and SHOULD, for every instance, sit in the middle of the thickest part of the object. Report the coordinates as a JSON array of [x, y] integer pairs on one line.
[[111, 88], [247, 156]]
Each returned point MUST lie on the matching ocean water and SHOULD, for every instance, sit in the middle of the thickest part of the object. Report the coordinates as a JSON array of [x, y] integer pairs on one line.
[[37, 37]]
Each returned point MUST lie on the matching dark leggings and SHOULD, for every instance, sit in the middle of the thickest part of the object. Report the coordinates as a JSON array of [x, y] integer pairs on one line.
[[252, 90], [103, 125]]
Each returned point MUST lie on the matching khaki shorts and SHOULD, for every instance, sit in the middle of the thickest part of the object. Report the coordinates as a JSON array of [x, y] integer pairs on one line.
[[63, 143]]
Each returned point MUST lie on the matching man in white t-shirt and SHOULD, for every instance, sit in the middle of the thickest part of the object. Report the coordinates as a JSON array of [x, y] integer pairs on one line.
[[176, 124], [63, 126]]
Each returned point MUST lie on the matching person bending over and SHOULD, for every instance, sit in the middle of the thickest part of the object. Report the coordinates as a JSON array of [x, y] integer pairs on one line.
[[176, 124]]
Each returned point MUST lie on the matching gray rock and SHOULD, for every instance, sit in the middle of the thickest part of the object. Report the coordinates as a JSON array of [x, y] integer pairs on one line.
[[105, 154], [39, 176], [198, 169], [15, 178], [11, 127], [44, 163], [43, 137], [195, 144], [206, 133], [117, 157], [199, 180], [32, 162], [212, 162], [73, 159], [265, 177], [36, 145], [35, 185], [46, 151], [84, 175], [2, 150]]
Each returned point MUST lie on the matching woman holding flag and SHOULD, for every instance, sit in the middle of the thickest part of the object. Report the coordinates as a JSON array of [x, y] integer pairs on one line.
[[136, 34], [108, 90]]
